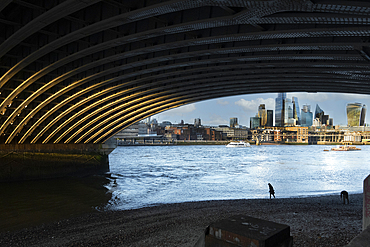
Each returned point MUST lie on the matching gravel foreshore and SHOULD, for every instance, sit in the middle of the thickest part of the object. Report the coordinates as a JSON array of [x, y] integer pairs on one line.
[[313, 221]]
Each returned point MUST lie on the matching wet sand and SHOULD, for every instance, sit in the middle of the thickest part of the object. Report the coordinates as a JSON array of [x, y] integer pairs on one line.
[[313, 221]]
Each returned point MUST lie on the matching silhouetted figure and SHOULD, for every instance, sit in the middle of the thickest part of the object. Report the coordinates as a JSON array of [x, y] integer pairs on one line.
[[344, 196], [271, 190]]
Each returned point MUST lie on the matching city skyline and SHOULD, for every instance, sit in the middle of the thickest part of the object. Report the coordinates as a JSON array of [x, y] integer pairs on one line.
[[219, 111]]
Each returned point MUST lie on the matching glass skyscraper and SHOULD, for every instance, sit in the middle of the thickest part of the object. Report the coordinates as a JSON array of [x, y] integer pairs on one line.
[[356, 113], [296, 113], [306, 116], [255, 122], [270, 118], [233, 122], [279, 109], [363, 115], [319, 113], [262, 114], [288, 113], [197, 122]]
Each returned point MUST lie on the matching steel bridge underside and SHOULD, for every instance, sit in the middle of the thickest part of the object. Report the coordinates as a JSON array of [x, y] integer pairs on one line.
[[79, 71]]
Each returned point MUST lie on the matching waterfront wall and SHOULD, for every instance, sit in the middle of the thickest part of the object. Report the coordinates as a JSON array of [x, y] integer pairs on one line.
[[41, 161], [52, 148]]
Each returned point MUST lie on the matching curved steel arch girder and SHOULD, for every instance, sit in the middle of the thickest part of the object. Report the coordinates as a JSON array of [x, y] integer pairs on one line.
[[192, 77], [43, 104], [58, 80], [121, 106], [138, 114], [165, 31], [154, 61], [236, 78], [97, 116], [208, 40], [93, 87], [196, 88]]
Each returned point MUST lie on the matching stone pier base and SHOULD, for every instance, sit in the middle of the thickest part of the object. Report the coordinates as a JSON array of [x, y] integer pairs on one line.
[[363, 239], [26, 162]]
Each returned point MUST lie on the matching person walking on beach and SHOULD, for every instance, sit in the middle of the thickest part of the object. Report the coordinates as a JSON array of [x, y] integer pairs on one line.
[[271, 190]]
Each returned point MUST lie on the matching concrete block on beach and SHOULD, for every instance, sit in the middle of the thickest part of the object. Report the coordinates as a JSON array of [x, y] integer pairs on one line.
[[366, 203], [246, 231], [362, 240]]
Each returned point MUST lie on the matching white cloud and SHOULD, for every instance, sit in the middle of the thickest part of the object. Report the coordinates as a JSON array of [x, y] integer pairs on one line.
[[180, 110], [314, 97], [222, 102], [329, 98], [252, 105], [215, 119], [355, 97]]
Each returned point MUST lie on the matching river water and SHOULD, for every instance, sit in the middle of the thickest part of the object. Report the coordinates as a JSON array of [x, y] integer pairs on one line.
[[145, 176]]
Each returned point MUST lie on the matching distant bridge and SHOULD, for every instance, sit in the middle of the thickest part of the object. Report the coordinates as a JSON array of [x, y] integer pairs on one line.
[[79, 71]]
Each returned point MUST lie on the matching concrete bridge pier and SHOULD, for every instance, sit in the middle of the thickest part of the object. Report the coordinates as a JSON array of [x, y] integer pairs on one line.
[[363, 239], [41, 161]]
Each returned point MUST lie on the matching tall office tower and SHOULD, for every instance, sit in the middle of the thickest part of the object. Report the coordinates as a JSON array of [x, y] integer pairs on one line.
[[233, 122], [330, 122], [356, 114], [325, 120], [306, 116], [279, 109], [319, 113], [262, 114], [255, 122], [270, 118], [363, 115], [288, 113], [147, 120], [197, 122], [296, 113], [306, 108]]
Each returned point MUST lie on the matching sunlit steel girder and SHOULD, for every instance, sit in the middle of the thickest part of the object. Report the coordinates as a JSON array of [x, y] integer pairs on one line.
[[79, 71]]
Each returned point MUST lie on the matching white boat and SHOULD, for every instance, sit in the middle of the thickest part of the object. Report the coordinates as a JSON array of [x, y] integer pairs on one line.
[[239, 144], [345, 148]]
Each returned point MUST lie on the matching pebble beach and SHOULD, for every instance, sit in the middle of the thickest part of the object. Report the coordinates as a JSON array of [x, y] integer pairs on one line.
[[314, 221]]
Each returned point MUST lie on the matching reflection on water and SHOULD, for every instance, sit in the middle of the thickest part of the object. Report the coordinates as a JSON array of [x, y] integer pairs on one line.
[[147, 176], [28, 203]]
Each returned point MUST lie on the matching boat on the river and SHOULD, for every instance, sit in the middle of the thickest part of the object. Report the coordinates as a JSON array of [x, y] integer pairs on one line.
[[345, 147], [239, 144]]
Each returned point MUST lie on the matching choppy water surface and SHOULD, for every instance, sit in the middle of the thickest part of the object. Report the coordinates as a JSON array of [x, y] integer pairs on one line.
[[147, 176]]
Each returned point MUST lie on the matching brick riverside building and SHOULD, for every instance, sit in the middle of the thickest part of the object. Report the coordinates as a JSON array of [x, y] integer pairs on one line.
[[190, 132]]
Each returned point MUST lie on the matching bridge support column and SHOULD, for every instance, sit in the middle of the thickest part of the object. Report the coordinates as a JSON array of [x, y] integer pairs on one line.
[[40, 161]]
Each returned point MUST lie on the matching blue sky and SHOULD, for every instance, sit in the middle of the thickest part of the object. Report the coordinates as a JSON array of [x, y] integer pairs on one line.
[[219, 111]]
